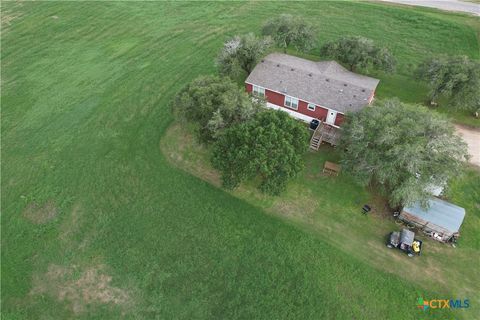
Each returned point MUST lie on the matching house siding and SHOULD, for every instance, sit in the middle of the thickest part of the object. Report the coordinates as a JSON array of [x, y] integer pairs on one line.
[[275, 98], [319, 113], [279, 100], [339, 119]]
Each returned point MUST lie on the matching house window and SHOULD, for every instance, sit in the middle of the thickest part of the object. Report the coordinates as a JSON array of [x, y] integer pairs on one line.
[[311, 107], [291, 102], [258, 91]]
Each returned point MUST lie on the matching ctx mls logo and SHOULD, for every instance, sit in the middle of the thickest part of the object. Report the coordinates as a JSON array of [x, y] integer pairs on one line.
[[442, 304], [422, 304]]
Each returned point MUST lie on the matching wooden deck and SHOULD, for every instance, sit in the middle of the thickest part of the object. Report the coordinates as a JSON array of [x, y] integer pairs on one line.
[[324, 133]]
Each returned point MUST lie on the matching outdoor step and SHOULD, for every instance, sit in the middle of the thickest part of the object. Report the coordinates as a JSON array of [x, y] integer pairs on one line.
[[316, 140], [315, 145]]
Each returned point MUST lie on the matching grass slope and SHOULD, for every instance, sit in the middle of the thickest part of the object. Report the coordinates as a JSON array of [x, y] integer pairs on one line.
[[85, 88], [329, 207]]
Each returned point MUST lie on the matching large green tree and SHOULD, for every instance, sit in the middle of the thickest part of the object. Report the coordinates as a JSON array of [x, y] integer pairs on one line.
[[405, 149], [287, 30], [241, 54], [359, 52], [269, 147], [457, 78], [214, 103]]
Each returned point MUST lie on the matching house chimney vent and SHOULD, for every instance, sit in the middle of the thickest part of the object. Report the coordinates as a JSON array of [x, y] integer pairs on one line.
[[327, 80], [278, 65], [344, 84], [292, 69], [363, 90], [309, 74]]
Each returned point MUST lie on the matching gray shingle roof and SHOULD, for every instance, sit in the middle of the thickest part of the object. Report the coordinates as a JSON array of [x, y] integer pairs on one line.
[[325, 83], [441, 213]]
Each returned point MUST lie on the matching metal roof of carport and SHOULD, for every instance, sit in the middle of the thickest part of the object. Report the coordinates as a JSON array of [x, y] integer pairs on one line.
[[441, 213]]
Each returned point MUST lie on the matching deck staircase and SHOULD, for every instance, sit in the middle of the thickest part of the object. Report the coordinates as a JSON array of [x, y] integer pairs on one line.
[[316, 139], [324, 133]]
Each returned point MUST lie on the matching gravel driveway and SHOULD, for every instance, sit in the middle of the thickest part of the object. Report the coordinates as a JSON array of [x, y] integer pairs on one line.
[[472, 138], [448, 5]]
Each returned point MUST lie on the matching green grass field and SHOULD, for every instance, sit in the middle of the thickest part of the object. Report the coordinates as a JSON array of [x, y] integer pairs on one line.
[[308, 204], [98, 224]]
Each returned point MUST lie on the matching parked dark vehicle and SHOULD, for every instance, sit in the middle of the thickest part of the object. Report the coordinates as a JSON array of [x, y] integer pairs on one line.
[[405, 241]]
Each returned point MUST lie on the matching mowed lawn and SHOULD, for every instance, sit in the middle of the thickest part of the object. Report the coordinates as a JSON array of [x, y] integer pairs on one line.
[[308, 203], [96, 223]]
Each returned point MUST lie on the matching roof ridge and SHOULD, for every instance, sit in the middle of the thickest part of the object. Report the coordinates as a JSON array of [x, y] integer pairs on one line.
[[325, 83], [301, 60], [332, 75], [329, 64]]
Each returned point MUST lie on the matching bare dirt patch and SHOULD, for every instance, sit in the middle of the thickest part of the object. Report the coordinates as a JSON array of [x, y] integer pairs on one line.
[[472, 138], [79, 288], [40, 214], [8, 16], [379, 204], [7, 19]]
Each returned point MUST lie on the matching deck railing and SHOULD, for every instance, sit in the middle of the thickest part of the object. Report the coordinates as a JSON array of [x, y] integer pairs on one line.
[[325, 133]]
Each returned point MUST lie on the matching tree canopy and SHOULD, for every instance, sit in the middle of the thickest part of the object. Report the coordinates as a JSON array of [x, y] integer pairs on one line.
[[289, 30], [457, 78], [241, 53], [359, 52], [214, 103], [406, 149], [269, 147]]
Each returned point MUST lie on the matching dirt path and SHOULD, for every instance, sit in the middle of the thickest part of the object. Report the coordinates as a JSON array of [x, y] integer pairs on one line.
[[448, 5], [472, 138]]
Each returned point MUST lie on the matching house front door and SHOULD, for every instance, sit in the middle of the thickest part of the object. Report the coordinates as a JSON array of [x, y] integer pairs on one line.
[[331, 117]]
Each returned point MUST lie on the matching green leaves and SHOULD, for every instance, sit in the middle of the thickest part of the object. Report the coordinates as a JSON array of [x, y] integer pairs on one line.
[[359, 52], [247, 143], [269, 146], [457, 78], [214, 103], [289, 30], [405, 148], [241, 54]]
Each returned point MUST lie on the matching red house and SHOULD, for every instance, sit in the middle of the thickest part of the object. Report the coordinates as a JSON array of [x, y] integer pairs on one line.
[[310, 90]]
